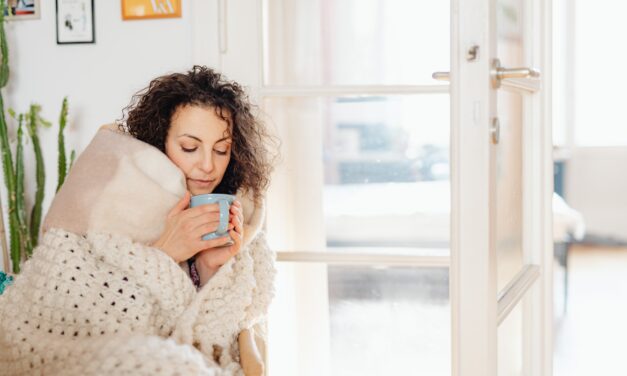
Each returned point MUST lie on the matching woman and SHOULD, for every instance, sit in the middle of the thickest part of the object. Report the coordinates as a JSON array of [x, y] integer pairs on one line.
[[110, 289]]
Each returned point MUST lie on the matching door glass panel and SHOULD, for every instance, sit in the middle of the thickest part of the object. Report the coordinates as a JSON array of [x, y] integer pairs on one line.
[[510, 344], [385, 168], [509, 188], [509, 166], [355, 42], [510, 38], [349, 320]]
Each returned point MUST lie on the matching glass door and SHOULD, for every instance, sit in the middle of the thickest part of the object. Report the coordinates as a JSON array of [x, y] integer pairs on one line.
[[408, 240], [501, 171]]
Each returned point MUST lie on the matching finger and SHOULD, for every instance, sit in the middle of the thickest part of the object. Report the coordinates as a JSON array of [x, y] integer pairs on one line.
[[236, 234], [200, 220], [205, 228], [238, 212], [181, 205], [236, 222], [237, 206], [239, 230], [237, 240], [237, 209], [213, 243]]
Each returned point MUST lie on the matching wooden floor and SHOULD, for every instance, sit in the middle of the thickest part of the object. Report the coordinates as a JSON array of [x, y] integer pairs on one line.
[[591, 338]]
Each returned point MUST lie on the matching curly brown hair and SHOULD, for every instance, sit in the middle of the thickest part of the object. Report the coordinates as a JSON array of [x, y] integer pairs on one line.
[[150, 112]]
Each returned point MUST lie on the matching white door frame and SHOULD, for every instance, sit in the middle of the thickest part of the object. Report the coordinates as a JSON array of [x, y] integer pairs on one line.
[[472, 272], [476, 311]]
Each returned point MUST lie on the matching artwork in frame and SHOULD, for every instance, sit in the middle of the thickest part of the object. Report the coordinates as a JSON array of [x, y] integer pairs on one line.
[[21, 9], [75, 21], [148, 9]]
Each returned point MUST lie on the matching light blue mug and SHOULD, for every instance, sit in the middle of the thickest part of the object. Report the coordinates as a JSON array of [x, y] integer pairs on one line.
[[225, 202]]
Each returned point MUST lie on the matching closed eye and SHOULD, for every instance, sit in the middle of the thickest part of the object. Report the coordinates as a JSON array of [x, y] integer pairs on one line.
[[188, 150], [220, 152]]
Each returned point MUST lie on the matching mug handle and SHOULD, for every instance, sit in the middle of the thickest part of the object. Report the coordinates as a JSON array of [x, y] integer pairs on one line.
[[224, 217]]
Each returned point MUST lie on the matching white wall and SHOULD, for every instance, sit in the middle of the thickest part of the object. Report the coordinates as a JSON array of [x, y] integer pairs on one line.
[[99, 79], [590, 34], [596, 185], [599, 56]]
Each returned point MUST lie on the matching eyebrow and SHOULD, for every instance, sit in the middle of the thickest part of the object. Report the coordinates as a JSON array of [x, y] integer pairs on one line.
[[198, 139]]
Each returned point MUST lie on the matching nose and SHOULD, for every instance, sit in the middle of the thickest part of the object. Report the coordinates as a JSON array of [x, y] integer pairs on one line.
[[206, 164]]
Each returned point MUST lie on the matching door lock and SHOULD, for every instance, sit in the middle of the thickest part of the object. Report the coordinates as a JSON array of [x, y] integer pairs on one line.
[[495, 130]]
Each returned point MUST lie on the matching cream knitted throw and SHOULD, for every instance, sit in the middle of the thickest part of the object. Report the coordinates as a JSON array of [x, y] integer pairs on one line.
[[94, 299]]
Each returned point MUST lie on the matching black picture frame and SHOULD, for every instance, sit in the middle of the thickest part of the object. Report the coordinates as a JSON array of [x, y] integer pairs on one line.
[[75, 22]]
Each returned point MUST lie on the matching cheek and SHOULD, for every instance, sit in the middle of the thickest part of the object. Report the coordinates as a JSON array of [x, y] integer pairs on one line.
[[180, 160], [224, 163]]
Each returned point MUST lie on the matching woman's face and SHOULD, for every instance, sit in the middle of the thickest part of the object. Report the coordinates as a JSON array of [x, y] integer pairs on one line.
[[199, 143]]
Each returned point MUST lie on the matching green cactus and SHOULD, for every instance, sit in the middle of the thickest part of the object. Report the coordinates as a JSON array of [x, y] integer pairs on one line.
[[4, 50], [62, 162], [23, 234], [25, 239], [34, 121], [7, 159], [9, 181]]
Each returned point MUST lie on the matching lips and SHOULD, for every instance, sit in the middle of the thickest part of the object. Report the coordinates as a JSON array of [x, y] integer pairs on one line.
[[202, 183]]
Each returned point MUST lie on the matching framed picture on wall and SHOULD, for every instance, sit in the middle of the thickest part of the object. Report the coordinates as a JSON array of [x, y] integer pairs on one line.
[[75, 21], [147, 9], [21, 9]]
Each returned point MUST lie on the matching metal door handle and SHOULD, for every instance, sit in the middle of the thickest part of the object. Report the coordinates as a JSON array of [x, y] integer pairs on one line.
[[441, 76], [499, 74], [517, 73]]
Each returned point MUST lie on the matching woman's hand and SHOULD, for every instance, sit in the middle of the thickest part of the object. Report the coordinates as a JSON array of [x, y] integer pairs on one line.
[[210, 260], [182, 237]]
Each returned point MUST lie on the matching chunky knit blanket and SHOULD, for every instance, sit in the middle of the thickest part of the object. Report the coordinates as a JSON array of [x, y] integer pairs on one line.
[[95, 299]]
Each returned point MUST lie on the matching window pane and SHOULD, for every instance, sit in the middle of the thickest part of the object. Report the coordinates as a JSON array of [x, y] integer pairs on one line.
[[384, 168], [373, 321], [350, 42]]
